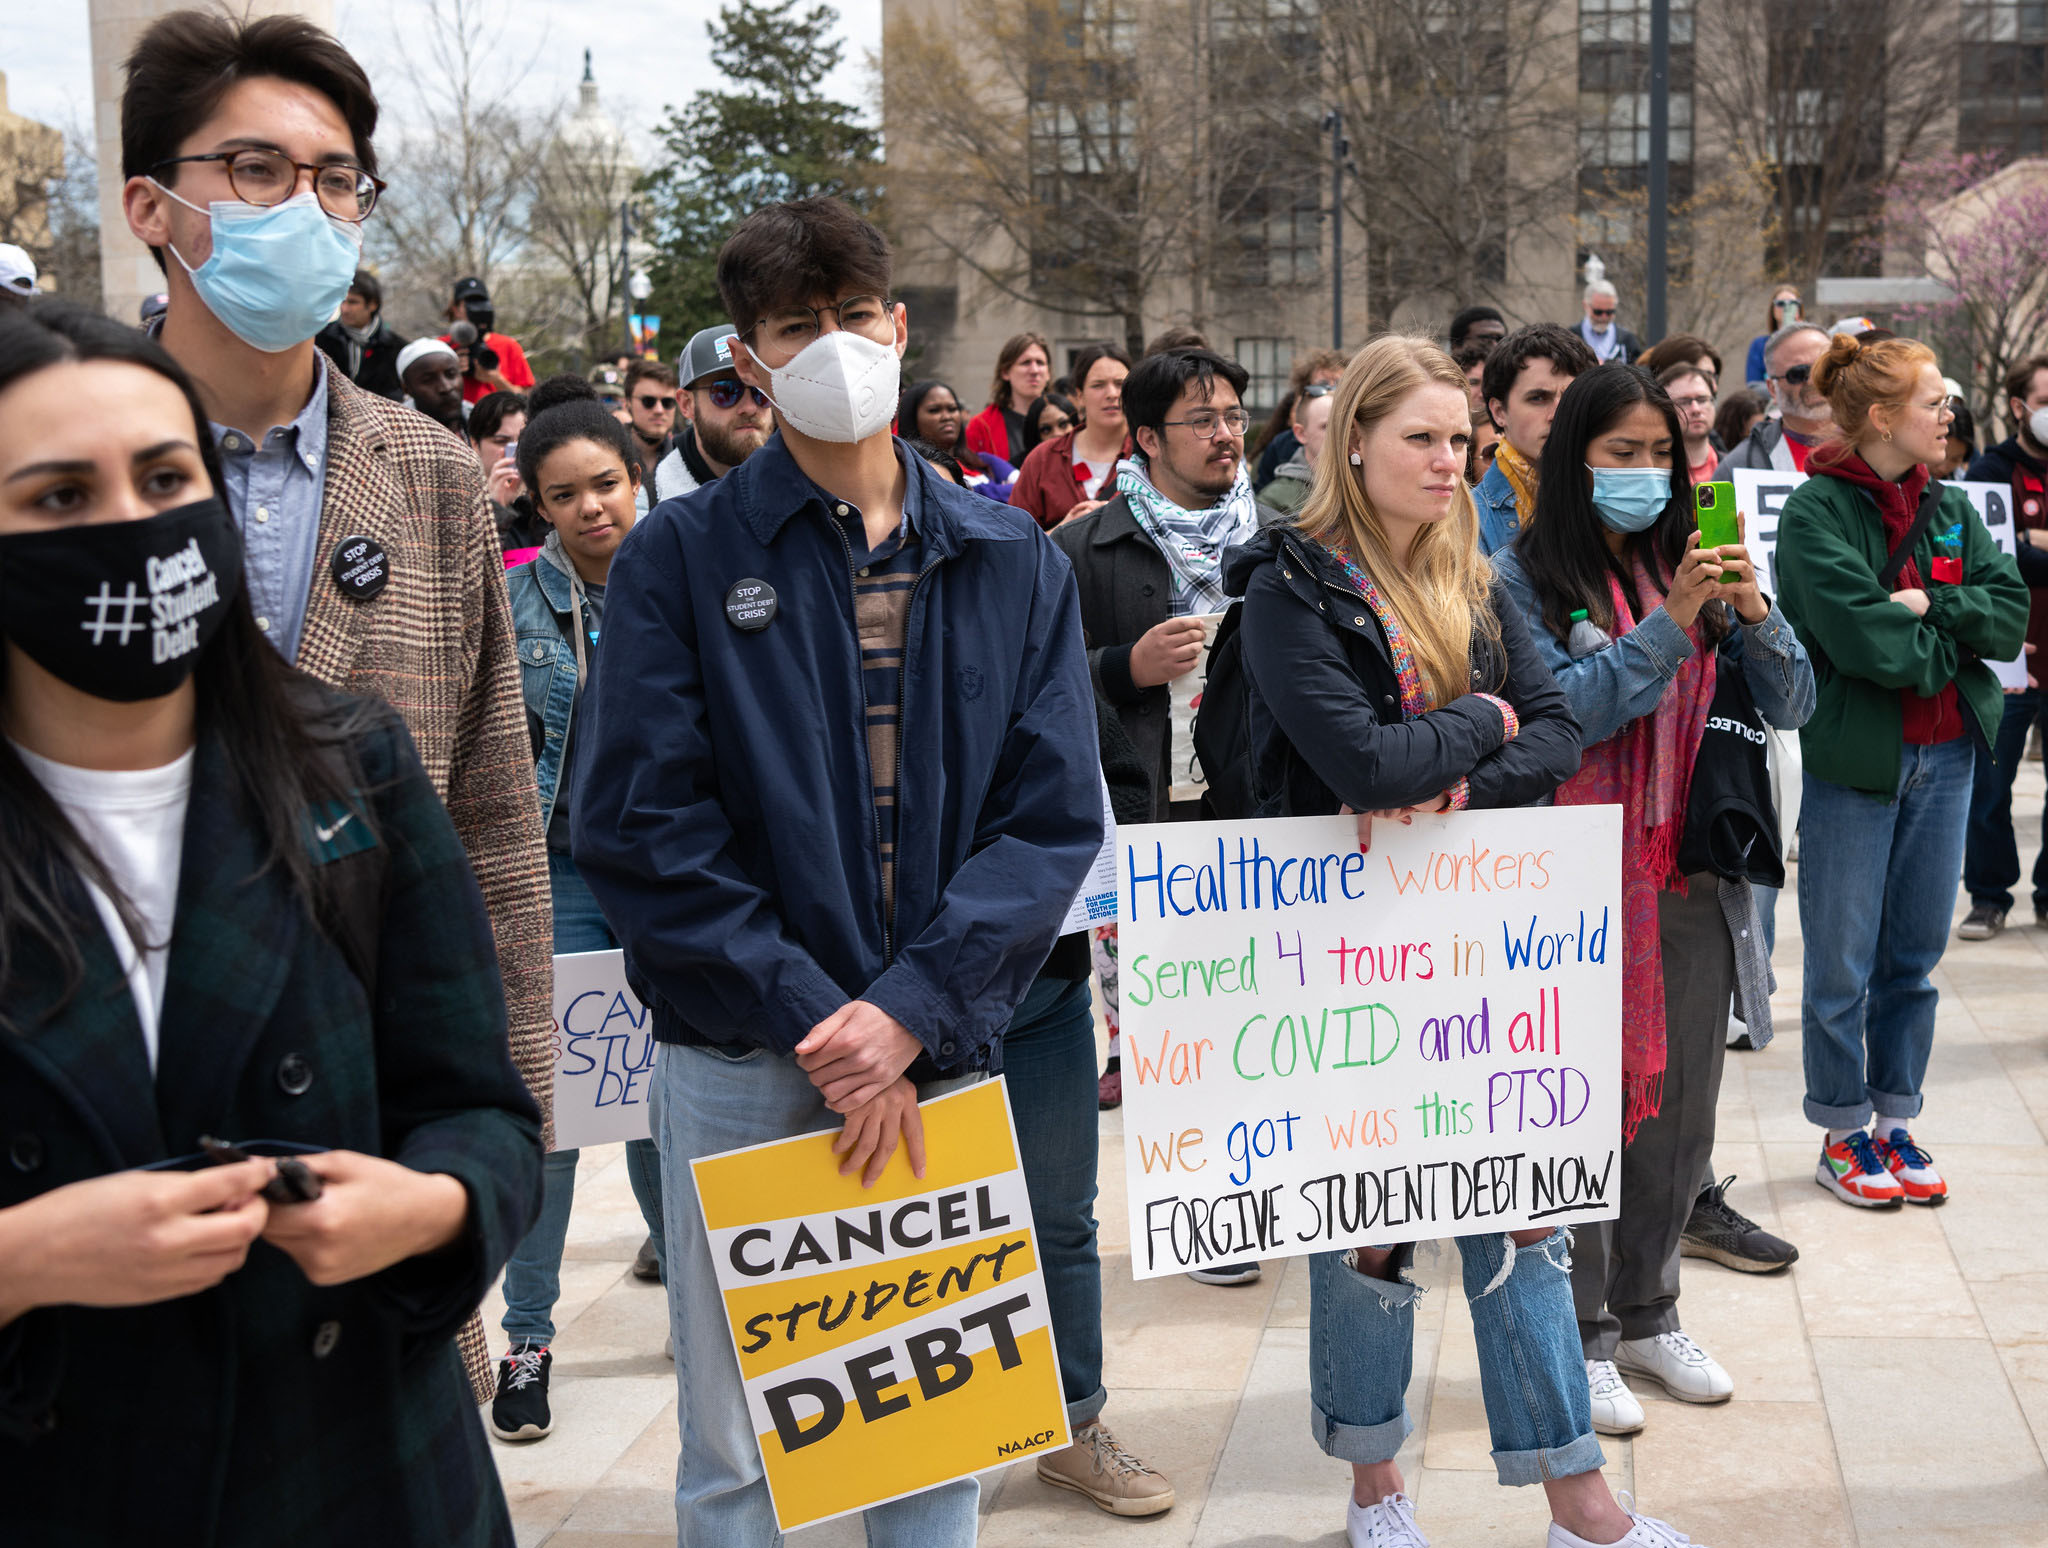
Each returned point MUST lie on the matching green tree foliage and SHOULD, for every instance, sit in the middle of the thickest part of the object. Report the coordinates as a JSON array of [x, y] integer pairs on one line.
[[772, 135]]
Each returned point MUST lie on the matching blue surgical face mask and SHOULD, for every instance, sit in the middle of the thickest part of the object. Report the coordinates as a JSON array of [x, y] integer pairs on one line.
[[278, 274], [1630, 499]]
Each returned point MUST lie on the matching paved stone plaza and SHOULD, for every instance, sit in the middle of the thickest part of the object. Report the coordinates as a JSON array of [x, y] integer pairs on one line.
[[1892, 1389]]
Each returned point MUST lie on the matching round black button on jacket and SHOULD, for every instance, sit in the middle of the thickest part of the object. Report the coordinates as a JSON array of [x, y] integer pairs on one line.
[[294, 1075], [26, 1152]]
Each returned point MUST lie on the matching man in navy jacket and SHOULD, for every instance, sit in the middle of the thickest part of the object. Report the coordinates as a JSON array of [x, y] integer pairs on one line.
[[838, 787]]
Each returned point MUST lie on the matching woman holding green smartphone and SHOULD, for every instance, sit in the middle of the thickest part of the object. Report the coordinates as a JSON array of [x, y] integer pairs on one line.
[[1637, 615]]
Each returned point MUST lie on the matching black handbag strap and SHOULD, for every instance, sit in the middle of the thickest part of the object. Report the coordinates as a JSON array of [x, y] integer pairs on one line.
[[1930, 498]]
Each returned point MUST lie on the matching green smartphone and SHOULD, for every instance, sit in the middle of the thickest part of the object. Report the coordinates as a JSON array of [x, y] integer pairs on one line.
[[1714, 503]]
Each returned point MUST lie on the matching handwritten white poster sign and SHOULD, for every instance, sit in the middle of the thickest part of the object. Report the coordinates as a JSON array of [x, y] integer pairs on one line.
[[1325, 1048]]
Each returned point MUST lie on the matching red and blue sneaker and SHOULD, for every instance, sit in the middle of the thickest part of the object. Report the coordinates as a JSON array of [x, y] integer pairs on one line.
[[1912, 1167], [1853, 1172]]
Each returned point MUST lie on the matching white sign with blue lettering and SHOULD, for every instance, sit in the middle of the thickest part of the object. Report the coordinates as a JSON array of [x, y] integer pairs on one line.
[[604, 1053]]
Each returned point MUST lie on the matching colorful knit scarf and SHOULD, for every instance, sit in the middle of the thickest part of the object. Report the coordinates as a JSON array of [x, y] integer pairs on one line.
[[1520, 473], [1415, 695], [1646, 769]]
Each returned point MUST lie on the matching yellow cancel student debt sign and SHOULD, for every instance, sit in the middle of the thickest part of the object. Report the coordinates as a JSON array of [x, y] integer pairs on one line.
[[889, 1338]]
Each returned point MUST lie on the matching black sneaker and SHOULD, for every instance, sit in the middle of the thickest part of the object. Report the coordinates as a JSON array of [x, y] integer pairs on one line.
[[646, 1264], [1226, 1274], [1717, 1231], [1982, 922], [520, 1410]]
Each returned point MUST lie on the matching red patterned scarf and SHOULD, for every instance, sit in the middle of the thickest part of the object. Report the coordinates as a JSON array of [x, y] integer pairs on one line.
[[1646, 769]]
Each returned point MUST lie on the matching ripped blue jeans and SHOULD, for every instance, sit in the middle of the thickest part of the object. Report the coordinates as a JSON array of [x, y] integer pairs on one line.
[[1361, 1350]]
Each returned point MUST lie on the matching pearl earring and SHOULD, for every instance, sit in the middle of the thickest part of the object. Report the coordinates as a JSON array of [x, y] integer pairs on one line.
[[1357, 461]]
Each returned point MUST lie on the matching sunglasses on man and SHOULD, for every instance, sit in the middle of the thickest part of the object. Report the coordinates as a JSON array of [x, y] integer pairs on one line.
[[726, 392], [653, 403], [1795, 376]]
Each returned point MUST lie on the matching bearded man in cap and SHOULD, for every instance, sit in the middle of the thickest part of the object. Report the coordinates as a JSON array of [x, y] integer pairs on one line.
[[724, 420]]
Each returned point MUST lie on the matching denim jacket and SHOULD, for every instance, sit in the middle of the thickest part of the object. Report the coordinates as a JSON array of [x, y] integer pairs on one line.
[[1499, 523], [541, 608], [1624, 682]]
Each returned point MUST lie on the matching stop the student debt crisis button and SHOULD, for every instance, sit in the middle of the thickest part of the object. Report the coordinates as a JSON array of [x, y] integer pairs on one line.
[[750, 605], [359, 567]]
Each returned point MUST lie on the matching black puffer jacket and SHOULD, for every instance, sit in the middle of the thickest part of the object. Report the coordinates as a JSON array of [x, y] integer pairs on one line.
[[1327, 717]]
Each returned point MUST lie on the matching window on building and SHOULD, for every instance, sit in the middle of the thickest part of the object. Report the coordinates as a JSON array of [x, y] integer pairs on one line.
[[1081, 122], [1267, 361], [1267, 148], [1614, 98], [2002, 102]]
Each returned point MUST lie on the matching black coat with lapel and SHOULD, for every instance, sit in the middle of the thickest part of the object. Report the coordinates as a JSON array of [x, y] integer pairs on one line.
[[1125, 590], [268, 1410]]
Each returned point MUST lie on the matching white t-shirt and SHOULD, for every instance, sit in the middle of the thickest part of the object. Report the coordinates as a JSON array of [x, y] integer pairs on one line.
[[1097, 472], [133, 820]]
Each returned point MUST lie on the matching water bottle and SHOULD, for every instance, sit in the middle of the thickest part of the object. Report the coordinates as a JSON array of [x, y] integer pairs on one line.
[[1587, 638]]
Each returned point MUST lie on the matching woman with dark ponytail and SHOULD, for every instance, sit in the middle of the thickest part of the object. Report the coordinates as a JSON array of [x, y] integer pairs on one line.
[[582, 473], [1638, 621], [1905, 598], [236, 927]]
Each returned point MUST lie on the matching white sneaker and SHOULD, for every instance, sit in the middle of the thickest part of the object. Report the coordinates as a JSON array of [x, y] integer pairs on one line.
[[1615, 1409], [1677, 1364], [1643, 1532], [1389, 1524]]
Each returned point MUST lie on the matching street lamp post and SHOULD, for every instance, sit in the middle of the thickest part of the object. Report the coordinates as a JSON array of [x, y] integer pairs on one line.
[[1660, 164], [1340, 147]]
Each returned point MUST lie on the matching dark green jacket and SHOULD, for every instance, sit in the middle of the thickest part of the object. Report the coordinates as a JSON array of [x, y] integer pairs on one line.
[[1866, 647], [268, 1411]]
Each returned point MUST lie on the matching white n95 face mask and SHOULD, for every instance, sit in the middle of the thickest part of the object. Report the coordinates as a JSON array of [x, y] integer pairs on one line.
[[840, 387]]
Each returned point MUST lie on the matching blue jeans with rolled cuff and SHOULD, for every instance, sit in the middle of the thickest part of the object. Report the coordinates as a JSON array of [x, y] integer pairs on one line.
[[1361, 1343], [533, 1277], [1049, 1062], [1877, 892]]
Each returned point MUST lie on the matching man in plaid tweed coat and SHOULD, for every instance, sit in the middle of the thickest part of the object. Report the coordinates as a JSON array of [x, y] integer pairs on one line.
[[371, 558]]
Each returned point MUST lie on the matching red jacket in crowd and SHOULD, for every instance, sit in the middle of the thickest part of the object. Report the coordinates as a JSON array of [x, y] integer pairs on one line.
[[1051, 482]]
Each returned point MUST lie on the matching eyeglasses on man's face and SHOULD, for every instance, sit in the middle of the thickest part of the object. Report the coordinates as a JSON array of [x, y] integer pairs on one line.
[[788, 330], [1602, 311], [1204, 423], [269, 177]]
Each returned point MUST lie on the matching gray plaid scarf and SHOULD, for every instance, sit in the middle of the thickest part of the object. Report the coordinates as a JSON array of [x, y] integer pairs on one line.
[[1191, 542]]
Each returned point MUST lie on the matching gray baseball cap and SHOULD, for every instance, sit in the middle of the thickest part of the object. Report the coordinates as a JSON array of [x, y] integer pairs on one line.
[[708, 353]]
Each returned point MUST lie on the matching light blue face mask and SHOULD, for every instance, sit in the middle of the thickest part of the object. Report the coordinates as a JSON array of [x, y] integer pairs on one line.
[[278, 274], [1630, 499]]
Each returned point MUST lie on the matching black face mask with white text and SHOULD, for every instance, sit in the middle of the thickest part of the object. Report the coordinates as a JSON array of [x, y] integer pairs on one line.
[[121, 609]]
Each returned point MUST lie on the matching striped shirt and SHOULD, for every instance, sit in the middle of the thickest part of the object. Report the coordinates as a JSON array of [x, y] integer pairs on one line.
[[883, 579]]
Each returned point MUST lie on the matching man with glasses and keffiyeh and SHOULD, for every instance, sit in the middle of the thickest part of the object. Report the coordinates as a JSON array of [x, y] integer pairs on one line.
[[724, 421]]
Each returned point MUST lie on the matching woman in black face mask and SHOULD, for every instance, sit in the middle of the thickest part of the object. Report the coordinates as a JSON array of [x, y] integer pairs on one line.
[[267, 1148]]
